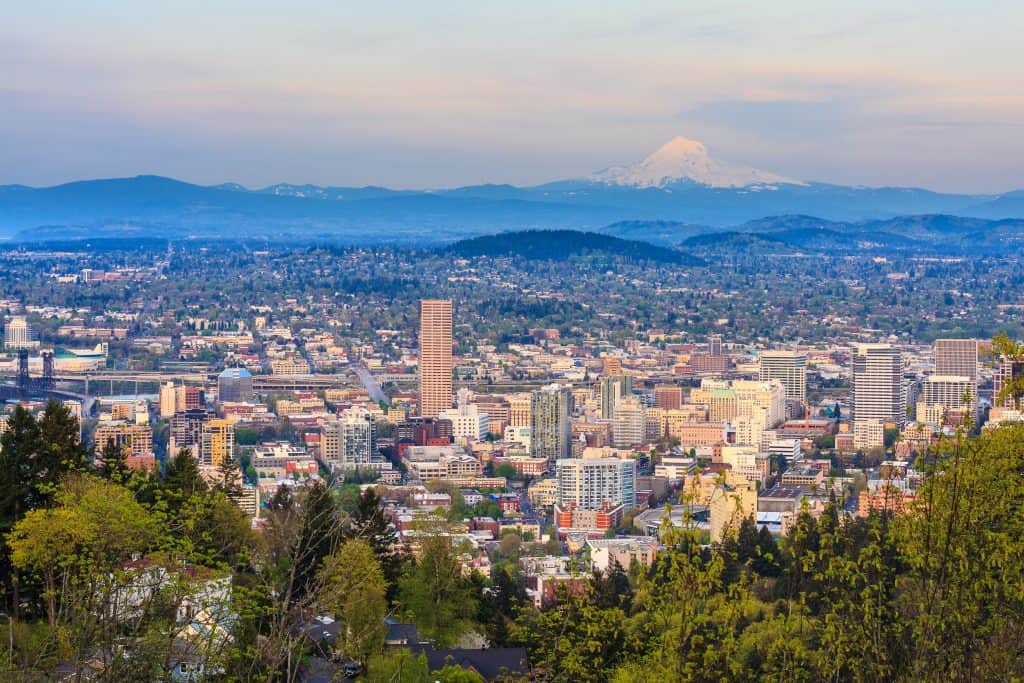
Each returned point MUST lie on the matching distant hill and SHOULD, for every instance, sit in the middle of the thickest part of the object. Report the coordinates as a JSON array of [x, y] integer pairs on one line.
[[558, 245], [733, 240], [664, 233], [925, 234]]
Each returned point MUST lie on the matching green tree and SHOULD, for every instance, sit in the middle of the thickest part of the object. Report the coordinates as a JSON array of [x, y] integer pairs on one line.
[[114, 463], [506, 470], [182, 479], [62, 449], [575, 640], [1006, 350], [964, 557], [400, 667], [353, 589], [434, 591], [95, 526]]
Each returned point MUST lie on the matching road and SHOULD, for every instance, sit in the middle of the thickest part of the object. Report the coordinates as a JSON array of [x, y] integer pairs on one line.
[[368, 380]]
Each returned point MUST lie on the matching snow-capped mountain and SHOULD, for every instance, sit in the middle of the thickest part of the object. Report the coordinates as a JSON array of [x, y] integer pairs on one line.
[[678, 185], [680, 160]]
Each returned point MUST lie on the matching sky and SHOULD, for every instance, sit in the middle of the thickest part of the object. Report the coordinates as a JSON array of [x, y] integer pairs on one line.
[[440, 94]]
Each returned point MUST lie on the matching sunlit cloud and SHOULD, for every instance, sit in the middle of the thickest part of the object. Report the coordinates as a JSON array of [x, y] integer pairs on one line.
[[427, 100]]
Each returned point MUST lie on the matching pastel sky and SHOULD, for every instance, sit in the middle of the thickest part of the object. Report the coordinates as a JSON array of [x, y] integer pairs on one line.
[[441, 93]]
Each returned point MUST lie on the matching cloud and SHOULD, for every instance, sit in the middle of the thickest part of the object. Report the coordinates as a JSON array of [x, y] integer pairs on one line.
[[425, 98]]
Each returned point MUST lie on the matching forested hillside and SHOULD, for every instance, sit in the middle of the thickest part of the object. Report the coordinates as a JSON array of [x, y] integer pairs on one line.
[[558, 245], [125, 575]]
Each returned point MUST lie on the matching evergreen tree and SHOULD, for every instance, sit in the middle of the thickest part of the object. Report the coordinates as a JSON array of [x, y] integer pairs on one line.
[[500, 603], [182, 478], [318, 538], [368, 522], [282, 499], [229, 478], [61, 447], [114, 465]]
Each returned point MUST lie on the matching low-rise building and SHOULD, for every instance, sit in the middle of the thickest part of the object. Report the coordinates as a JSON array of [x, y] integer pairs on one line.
[[282, 461], [446, 467], [803, 476], [605, 553], [889, 496], [130, 438], [731, 501]]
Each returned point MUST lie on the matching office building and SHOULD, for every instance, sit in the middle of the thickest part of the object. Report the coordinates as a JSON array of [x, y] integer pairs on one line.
[[747, 462], [654, 419], [550, 423], [596, 483], [351, 441], [629, 423], [945, 394], [187, 430], [234, 385], [753, 428], [605, 553], [498, 413], [519, 406], [611, 366], [218, 442], [715, 345], [423, 430], [868, 434], [1006, 369], [768, 396], [668, 397], [17, 334], [189, 398], [878, 384], [435, 357], [283, 461], [613, 389], [729, 503], [132, 439], [168, 402], [446, 463], [789, 368], [468, 423], [719, 397], [957, 358]]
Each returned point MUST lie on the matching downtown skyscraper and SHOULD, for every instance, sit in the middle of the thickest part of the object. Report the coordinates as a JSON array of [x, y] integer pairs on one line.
[[878, 384], [790, 368], [435, 360], [551, 423]]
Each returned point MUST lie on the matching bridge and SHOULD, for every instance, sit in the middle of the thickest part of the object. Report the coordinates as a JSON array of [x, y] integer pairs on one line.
[[260, 383], [44, 386]]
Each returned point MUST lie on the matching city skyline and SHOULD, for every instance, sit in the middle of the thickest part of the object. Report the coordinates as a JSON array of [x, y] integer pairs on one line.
[[512, 342]]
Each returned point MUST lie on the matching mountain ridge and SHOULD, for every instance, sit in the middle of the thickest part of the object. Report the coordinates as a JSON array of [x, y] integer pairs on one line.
[[678, 184]]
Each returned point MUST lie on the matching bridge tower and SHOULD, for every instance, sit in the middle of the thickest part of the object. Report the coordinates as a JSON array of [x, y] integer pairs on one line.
[[23, 378], [47, 381]]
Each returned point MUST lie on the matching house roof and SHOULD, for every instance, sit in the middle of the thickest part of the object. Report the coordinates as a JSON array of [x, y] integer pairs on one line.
[[490, 663], [401, 633]]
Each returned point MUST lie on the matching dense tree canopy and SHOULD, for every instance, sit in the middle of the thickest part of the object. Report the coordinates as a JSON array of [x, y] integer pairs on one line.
[[935, 594]]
